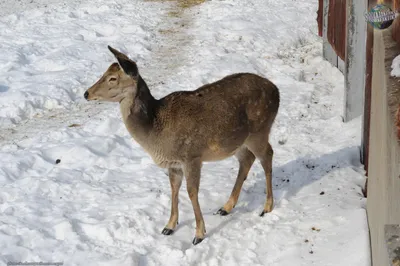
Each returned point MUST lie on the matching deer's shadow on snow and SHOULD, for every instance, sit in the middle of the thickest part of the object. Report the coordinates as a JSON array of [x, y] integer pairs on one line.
[[3, 88], [297, 174], [288, 180]]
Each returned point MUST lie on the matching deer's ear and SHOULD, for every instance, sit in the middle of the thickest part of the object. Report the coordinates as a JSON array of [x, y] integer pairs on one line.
[[116, 53], [129, 67]]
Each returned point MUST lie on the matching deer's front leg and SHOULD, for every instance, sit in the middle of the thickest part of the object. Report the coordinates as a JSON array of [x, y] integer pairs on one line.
[[192, 171], [175, 179]]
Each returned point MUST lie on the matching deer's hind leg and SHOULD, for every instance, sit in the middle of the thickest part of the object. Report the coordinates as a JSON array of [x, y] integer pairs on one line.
[[264, 152], [246, 159], [266, 162]]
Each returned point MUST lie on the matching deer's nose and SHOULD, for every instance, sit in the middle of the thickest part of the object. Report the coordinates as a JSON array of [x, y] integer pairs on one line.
[[86, 95]]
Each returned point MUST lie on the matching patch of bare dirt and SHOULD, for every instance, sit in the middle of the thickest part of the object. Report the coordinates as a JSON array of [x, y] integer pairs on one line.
[[182, 3]]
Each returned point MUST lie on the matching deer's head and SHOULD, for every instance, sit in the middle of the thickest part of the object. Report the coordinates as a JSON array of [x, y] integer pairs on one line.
[[118, 82]]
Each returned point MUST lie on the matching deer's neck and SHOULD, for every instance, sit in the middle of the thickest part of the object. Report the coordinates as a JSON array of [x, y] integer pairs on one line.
[[139, 112]]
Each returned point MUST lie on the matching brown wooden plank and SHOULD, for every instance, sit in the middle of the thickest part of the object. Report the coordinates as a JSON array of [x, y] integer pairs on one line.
[[396, 29], [331, 23], [337, 22], [367, 102], [341, 32], [320, 20], [367, 96]]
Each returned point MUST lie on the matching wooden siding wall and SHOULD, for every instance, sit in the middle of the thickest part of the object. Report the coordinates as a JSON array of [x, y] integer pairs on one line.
[[328, 52]]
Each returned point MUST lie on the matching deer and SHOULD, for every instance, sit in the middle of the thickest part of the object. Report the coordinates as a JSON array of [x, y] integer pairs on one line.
[[229, 117]]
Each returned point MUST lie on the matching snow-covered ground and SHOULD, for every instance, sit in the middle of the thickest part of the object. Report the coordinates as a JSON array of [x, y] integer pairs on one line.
[[105, 202]]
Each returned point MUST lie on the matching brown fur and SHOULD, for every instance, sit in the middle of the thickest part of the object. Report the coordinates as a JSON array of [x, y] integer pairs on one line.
[[232, 116]]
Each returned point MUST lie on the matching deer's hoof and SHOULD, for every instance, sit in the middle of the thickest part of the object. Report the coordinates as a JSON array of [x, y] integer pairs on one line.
[[264, 212], [197, 240], [222, 212], [167, 231]]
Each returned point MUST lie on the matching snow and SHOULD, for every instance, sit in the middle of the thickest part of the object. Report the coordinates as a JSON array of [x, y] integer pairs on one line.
[[396, 67], [52, 53], [105, 202]]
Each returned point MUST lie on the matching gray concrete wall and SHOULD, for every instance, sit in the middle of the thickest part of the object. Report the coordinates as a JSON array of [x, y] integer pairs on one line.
[[383, 203], [354, 73]]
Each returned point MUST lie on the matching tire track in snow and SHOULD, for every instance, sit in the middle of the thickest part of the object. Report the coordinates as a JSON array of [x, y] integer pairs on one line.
[[173, 53]]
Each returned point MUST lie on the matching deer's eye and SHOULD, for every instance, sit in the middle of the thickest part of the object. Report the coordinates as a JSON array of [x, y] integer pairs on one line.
[[112, 79]]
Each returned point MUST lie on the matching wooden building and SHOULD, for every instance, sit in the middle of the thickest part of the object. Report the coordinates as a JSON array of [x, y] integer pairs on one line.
[[365, 56]]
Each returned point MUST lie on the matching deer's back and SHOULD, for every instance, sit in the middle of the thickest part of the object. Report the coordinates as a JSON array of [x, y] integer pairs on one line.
[[232, 101], [217, 116]]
